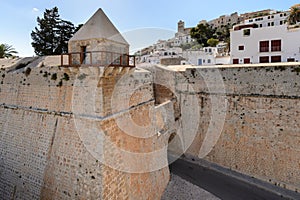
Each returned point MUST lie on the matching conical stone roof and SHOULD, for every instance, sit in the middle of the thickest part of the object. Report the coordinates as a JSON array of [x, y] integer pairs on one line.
[[99, 27]]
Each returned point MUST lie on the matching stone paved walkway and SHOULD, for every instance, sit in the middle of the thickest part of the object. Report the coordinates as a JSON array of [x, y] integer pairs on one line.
[[180, 189]]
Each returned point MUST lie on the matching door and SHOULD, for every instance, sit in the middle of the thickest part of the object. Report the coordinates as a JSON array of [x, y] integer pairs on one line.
[[199, 61], [82, 54]]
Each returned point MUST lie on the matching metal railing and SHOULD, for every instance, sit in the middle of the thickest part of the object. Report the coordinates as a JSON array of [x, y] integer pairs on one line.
[[97, 59]]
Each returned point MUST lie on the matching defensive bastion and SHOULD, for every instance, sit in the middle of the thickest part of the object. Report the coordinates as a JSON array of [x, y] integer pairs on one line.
[[44, 156], [82, 131]]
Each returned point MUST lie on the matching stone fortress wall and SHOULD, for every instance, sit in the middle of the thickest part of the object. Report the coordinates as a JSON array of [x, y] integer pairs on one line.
[[103, 132], [42, 155], [261, 133]]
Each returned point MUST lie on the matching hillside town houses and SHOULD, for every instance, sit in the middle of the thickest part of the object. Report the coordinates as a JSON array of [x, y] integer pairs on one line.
[[256, 37], [265, 39]]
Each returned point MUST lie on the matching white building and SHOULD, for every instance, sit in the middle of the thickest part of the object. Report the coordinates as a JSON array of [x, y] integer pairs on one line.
[[157, 55], [182, 36], [225, 20], [205, 57], [274, 19], [251, 44], [160, 44], [181, 39]]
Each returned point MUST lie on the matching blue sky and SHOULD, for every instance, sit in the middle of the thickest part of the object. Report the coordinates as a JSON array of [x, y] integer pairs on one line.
[[140, 19]]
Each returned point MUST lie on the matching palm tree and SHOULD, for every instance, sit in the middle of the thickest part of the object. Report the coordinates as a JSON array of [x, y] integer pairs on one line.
[[294, 16], [6, 51]]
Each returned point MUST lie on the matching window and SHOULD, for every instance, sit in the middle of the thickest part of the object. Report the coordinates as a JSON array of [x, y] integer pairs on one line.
[[246, 32], [272, 24], [264, 59], [251, 20], [281, 15], [275, 45], [235, 61], [260, 25], [275, 59], [241, 48], [264, 46], [291, 59], [246, 60], [269, 24], [208, 61], [281, 22]]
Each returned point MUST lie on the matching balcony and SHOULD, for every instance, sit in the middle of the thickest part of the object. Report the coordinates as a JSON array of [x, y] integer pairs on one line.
[[244, 26], [97, 59]]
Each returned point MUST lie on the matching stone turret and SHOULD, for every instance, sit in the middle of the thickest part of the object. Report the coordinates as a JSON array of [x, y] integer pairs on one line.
[[180, 27], [97, 42]]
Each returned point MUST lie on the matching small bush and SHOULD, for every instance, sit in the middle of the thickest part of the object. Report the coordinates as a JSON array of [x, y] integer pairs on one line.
[[281, 68], [27, 71], [60, 83], [297, 69], [54, 76], [66, 77]]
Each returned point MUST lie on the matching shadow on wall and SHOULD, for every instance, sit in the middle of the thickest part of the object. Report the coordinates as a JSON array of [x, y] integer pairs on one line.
[[175, 148]]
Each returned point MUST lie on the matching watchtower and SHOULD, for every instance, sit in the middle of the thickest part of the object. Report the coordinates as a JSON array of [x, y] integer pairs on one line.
[[99, 43], [180, 27]]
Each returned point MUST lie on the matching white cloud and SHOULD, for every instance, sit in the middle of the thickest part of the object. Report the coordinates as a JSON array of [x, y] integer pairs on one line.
[[35, 10]]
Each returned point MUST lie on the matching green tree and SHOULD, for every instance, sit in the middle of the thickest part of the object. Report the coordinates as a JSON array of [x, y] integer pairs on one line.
[[212, 42], [223, 33], [65, 32], [294, 16], [7, 51], [227, 41], [52, 34], [78, 27], [202, 32]]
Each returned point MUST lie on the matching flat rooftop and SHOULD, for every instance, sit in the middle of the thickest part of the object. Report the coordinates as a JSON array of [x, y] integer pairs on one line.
[[38, 61], [184, 67]]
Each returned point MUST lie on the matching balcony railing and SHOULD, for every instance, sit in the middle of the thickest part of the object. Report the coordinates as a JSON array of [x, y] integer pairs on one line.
[[97, 59]]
